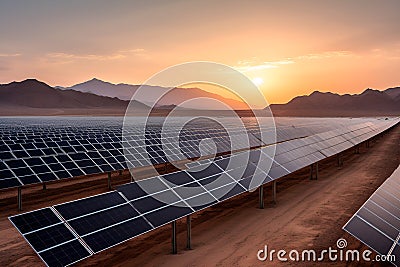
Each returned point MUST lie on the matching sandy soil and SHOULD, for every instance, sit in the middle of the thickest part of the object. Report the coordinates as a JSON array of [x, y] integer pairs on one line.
[[308, 214]]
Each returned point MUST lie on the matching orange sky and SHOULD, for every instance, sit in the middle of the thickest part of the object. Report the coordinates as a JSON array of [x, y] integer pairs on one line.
[[295, 47]]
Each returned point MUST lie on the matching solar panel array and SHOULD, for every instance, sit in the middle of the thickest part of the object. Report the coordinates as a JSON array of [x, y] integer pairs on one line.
[[29, 159], [377, 222], [105, 220], [49, 150]]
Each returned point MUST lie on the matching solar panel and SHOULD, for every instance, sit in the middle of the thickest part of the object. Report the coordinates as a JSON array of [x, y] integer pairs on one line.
[[65, 254], [50, 237], [81, 150], [377, 222], [106, 220], [88, 205], [111, 236]]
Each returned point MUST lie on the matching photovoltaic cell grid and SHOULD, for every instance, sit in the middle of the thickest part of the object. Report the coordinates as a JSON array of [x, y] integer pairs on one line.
[[52, 239], [377, 222], [106, 220], [74, 153], [299, 153], [51, 150]]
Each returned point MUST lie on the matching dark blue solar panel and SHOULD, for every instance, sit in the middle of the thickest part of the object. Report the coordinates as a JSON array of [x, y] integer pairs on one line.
[[97, 221], [227, 192], [108, 219], [114, 235], [49, 237], [167, 214], [149, 203], [65, 254], [84, 206], [210, 170], [14, 164], [35, 220], [29, 179], [178, 178], [377, 222], [369, 235], [7, 183]]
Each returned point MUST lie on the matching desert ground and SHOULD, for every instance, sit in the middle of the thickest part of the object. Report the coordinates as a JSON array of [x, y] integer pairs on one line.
[[309, 214]]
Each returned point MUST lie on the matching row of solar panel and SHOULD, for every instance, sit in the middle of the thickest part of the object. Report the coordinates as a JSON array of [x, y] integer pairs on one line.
[[21, 171], [156, 152], [30, 170], [72, 138], [93, 224], [298, 153], [72, 143], [377, 222], [106, 220], [114, 135]]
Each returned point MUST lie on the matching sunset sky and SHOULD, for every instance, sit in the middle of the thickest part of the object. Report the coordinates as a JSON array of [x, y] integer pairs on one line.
[[289, 47]]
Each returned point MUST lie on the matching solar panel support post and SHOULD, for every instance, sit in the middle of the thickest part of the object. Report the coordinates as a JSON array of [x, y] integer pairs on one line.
[[274, 192], [109, 180], [120, 172], [44, 186], [19, 198], [165, 167], [173, 239], [132, 176], [188, 232], [311, 171], [316, 171], [261, 196]]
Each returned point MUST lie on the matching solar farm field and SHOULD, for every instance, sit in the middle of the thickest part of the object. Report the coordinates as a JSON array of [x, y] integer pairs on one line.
[[221, 163]]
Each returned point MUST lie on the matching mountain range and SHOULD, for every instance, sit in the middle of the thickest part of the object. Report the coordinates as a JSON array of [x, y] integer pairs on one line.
[[32, 97], [368, 103], [173, 96], [96, 97]]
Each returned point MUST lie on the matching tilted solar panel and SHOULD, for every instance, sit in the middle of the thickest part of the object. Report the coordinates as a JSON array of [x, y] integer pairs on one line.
[[377, 222], [51, 238], [106, 220], [39, 160]]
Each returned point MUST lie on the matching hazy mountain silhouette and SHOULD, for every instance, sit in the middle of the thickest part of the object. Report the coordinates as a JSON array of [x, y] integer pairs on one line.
[[393, 92], [174, 97], [368, 103], [32, 97]]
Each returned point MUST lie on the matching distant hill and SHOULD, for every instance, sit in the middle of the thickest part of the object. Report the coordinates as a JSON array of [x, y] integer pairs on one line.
[[368, 103], [393, 92], [32, 97], [173, 97]]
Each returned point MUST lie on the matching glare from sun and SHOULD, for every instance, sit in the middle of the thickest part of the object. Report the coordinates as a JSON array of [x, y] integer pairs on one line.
[[258, 81]]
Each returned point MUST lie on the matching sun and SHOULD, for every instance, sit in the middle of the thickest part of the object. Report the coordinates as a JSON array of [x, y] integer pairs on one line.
[[258, 81]]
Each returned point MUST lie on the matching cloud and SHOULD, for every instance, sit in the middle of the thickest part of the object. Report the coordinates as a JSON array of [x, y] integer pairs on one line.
[[98, 57], [135, 51], [253, 65], [87, 56], [10, 55], [248, 66], [327, 54]]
